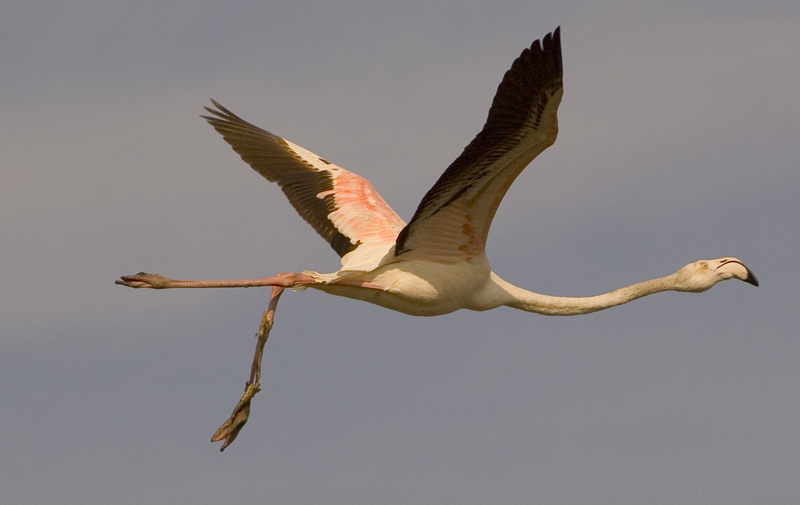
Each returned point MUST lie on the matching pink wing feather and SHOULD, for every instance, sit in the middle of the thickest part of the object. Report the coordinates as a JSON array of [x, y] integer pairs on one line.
[[341, 206]]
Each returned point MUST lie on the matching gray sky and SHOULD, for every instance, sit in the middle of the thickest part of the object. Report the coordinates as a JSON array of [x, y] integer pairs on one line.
[[678, 142]]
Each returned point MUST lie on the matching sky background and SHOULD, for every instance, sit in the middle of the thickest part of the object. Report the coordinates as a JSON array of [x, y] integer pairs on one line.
[[679, 141]]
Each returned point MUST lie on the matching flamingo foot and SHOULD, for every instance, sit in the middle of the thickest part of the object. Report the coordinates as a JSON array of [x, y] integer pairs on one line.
[[230, 428], [144, 280]]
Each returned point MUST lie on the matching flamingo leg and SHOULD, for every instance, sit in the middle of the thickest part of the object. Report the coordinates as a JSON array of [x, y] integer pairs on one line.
[[230, 429], [155, 281]]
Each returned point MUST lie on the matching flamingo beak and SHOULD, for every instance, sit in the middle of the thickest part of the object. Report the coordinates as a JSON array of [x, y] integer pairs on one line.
[[751, 279], [742, 273]]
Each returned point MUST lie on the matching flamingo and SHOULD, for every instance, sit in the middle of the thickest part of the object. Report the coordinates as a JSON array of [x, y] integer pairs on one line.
[[437, 263]]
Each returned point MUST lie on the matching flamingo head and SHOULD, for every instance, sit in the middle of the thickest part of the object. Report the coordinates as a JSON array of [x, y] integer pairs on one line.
[[702, 275]]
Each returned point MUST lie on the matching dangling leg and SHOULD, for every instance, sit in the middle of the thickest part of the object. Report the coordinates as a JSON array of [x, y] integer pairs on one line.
[[232, 426]]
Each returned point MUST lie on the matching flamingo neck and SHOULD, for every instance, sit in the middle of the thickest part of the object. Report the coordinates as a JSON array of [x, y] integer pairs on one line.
[[569, 306]]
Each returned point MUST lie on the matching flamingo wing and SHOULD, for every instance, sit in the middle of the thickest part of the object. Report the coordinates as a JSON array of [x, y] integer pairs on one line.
[[341, 206], [452, 222]]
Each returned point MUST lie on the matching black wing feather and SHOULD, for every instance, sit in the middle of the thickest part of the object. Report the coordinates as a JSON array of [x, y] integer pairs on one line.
[[538, 69]]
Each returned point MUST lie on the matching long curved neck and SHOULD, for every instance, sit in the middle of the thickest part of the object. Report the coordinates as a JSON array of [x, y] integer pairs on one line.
[[569, 306]]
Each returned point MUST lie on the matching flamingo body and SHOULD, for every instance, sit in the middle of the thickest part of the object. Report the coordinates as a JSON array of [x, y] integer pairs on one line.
[[418, 288]]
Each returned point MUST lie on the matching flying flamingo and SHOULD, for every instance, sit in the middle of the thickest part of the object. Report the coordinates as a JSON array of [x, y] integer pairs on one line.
[[436, 263]]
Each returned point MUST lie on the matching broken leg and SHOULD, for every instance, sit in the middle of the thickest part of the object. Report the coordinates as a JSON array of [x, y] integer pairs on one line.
[[230, 429]]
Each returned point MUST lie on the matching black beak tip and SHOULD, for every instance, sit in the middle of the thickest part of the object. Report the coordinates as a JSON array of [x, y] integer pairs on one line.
[[751, 279]]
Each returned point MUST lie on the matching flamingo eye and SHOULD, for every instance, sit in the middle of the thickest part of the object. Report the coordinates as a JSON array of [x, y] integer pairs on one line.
[[704, 265]]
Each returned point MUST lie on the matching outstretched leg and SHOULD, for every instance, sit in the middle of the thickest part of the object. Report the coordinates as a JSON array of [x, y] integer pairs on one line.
[[241, 413], [155, 281]]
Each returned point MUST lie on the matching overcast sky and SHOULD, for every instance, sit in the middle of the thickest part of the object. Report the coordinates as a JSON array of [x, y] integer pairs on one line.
[[678, 142]]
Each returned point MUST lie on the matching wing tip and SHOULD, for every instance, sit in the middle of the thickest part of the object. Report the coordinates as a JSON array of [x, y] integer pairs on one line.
[[550, 45], [219, 112]]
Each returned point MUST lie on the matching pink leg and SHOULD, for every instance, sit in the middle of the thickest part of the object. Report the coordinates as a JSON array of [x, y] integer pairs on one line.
[[230, 429], [155, 281]]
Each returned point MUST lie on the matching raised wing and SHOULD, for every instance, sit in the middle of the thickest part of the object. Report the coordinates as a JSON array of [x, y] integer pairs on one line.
[[452, 222], [341, 206]]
